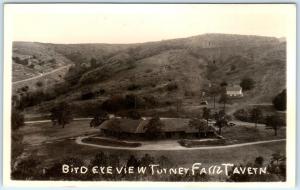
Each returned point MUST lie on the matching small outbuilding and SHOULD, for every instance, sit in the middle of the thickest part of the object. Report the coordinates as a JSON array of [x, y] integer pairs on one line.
[[234, 91]]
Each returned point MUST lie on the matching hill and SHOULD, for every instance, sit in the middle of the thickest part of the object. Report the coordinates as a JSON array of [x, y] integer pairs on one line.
[[167, 70]]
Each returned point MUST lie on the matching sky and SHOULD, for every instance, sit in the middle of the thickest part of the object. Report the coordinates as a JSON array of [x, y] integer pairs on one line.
[[136, 23]]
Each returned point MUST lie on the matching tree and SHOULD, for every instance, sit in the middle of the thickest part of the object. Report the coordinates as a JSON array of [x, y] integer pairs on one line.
[[17, 146], [242, 115], [178, 104], [223, 84], [134, 115], [259, 161], [93, 62], [130, 101], [87, 94], [198, 124], [17, 119], [221, 120], [247, 83], [232, 67], [153, 128], [277, 166], [214, 91], [39, 84], [172, 86], [273, 121], [223, 99], [61, 114], [206, 114], [27, 169], [279, 101], [133, 87], [256, 115], [99, 119], [113, 104]]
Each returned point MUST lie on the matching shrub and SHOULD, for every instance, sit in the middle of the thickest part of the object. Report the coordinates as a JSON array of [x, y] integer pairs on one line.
[[39, 84], [32, 98], [61, 114], [189, 93], [27, 169], [93, 62], [87, 95], [52, 60], [172, 86], [279, 101], [17, 146], [96, 75], [74, 74], [118, 103], [194, 143], [223, 84], [133, 87], [150, 101], [148, 71], [99, 119], [133, 114], [25, 88], [247, 83], [113, 104], [101, 91], [242, 115], [247, 116], [17, 119], [130, 101], [211, 68]]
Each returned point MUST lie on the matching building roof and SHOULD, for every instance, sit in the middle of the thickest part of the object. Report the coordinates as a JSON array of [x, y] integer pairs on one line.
[[233, 88], [139, 126], [126, 125]]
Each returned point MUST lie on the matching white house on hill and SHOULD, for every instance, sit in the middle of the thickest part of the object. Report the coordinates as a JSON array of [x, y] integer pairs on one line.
[[234, 91]]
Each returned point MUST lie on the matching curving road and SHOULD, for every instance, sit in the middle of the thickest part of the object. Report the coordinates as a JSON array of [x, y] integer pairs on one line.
[[39, 76], [173, 145], [48, 120]]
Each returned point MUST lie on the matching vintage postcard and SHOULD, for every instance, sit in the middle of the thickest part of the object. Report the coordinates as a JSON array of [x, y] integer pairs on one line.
[[111, 94]]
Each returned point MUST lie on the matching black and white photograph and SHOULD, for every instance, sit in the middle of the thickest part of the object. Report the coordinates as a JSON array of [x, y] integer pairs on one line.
[[149, 93]]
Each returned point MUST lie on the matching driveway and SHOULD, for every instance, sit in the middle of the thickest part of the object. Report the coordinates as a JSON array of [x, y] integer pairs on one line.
[[171, 145]]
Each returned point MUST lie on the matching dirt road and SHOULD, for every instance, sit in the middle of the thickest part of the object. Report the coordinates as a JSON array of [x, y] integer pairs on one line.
[[40, 76]]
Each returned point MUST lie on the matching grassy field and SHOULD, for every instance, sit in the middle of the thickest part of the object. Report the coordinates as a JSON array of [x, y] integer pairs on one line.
[[52, 152], [242, 134], [39, 133], [52, 143]]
